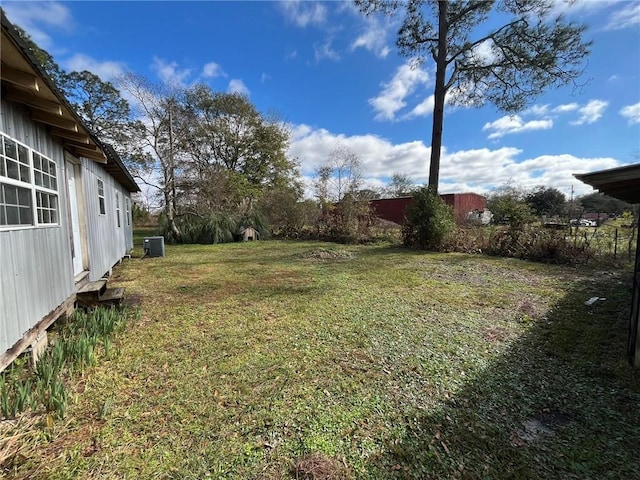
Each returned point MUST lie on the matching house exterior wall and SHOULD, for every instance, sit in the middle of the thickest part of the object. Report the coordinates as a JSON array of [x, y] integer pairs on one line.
[[108, 242], [36, 271], [36, 265]]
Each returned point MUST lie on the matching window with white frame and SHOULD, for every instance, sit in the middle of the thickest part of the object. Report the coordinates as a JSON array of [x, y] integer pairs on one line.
[[127, 211], [101, 200], [118, 208], [27, 178]]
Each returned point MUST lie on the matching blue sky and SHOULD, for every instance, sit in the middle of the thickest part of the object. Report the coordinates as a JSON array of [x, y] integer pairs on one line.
[[336, 77]]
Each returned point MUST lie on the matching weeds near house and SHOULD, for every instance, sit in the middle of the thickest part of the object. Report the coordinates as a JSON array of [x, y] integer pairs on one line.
[[74, 349]]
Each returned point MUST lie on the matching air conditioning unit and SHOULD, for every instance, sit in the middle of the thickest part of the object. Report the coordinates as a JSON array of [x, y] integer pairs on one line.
[[154, 246]]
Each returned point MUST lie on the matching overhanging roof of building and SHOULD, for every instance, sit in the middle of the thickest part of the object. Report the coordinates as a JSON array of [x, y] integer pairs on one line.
[[622, 183], [25, 82]]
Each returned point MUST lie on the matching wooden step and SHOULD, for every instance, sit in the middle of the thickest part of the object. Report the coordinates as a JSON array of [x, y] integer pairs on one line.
[[94, 294], [99, 286], [113, 296]]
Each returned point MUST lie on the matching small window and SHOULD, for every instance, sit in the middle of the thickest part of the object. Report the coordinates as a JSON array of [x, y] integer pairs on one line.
[[15, 205], [101, 201], [118, 209], [44, 171], [15, 161], [127, 211], [47, 207]]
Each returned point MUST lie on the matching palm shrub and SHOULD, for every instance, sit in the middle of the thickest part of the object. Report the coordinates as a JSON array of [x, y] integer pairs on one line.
[[430, 221], [219, 227]]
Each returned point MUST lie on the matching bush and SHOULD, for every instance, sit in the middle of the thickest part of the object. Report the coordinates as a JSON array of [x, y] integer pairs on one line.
[[216, 228], [529, 243], [348, 221], [430, 221], [508, 206]]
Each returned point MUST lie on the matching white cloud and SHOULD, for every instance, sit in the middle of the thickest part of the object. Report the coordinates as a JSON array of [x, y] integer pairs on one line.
[[373, 38], [591, 112], [264, 77], [567, 107], [325, 51], [32, 16], [304, 13], [579, 8], [478, 170], [514, 124], [627, 16], [107, 70], [212, 70], [395, 91], [291, 55], [484, 53], [170, 73], [424, 108], [631, 113], [237, 86], [538, 110]]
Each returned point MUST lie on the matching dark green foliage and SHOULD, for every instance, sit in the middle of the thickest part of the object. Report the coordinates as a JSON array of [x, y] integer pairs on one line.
[[215, 228], [227, 130], [98, 103], [508, 206], [600, 203], [546, 201], [288, 216], [43, 57], [101, 107], [139, 214], [430, 221]]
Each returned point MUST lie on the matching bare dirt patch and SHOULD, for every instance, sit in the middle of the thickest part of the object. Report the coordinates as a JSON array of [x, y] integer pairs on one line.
[[320, 467], [325, 254]]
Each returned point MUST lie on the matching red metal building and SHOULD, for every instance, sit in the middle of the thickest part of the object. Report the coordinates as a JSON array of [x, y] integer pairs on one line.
[[394, 209]]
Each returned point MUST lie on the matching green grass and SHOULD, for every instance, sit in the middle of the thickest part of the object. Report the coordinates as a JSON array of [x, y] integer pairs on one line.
[[388, 362]]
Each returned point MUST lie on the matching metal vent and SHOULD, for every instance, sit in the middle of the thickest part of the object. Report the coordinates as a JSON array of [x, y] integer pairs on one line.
[[154, 246]]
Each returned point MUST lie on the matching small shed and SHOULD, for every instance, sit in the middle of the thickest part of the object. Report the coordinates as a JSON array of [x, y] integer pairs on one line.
[[249, 234], [623, 183]]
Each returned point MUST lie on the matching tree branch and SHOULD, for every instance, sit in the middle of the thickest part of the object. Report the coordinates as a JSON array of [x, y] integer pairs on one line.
[[470, 46]]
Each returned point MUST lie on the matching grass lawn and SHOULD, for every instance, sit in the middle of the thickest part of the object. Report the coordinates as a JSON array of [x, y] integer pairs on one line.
[[363, 362]]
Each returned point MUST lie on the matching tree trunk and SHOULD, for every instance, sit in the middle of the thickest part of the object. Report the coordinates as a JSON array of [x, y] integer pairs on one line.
[[439, 95], [170, 190]]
